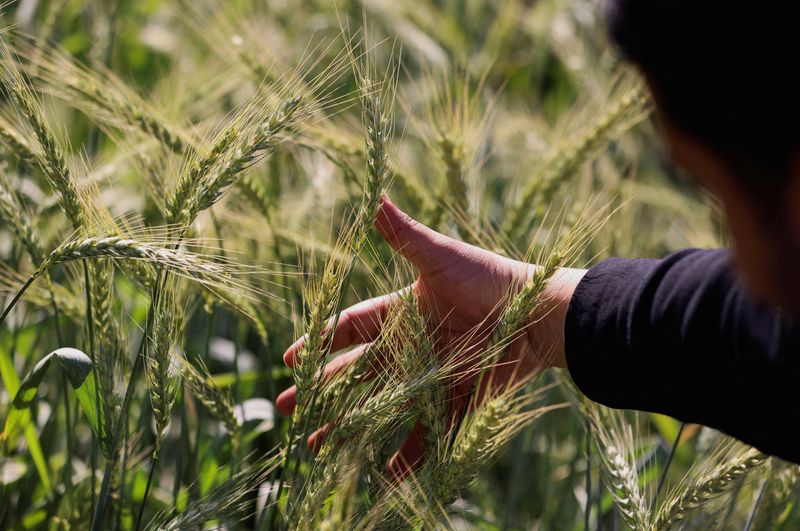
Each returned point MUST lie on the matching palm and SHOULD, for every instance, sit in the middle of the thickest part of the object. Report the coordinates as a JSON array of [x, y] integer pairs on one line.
[[461, 291], [461, 299]]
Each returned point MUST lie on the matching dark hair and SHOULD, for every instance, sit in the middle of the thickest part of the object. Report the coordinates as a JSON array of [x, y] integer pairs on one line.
[[724, 72]]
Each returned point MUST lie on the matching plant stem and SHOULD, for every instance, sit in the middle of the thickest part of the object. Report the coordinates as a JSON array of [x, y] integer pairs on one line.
[[663, 477], [146, 493], [752, 518], [126, 399], [90, 328], [16, 298], [67, 416], [588, 512]]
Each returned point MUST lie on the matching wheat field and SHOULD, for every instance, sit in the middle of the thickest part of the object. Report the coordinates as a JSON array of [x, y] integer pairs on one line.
[[188, 187]]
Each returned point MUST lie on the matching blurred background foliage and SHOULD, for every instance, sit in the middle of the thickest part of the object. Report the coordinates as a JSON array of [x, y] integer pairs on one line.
[[517, 82]]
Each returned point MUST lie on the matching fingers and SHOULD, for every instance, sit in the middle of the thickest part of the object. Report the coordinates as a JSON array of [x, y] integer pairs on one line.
[[421, 245], [359, 323], [409, 456], [316, 439], [287, 400]]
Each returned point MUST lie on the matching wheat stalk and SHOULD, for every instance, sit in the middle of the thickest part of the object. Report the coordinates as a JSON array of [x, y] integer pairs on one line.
[[11, 212], [561, 163], [613, 438], [218, 402], [49, 156], [709, 486], [118, 247], [213, 174], [326, 296], [383, 406], [161, 381], [99, 93]]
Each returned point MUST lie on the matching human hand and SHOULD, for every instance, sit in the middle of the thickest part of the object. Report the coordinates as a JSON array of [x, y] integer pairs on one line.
[[461, 290]]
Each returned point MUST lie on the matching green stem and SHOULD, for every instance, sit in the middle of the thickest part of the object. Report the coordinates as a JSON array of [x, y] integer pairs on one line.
[[754, 511], [16, 298], [176, 486], [663, 477], [126, 399], [67, 417], [146, 493], [118, 523], [90, 329], [588, 511]]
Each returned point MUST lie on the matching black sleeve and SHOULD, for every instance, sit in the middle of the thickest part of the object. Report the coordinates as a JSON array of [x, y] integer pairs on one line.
[[681, 336]]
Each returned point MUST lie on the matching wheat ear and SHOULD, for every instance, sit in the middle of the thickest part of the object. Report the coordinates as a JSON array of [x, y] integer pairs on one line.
[[11, 213], [161, 380], [15, 143], [109, 348], [453, 194], [218, 402], [716, 482], [99, 93], [613, 438], [124, 248], [378, 126], [560, 164], [49, 156], [213, 174], [517, 314], [480, 439]]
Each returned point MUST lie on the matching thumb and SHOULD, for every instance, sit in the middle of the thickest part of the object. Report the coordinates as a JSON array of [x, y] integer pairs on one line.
[[421, 245]]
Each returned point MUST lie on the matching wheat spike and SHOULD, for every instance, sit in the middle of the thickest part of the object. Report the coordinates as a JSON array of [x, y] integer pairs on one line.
[[161, 381], [561, 163], [11, 212], [99, 93], [125, 248], [613, 438], [215, 173], [49, 155], [109, 346], [709, 486], [377, 124], [517, 314], [218, 402], [15, 142]]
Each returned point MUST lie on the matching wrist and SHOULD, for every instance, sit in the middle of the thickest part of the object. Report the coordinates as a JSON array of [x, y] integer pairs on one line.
[[546, 330]]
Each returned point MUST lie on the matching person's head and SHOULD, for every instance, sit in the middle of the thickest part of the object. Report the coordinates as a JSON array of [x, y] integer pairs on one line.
[[724, 78]]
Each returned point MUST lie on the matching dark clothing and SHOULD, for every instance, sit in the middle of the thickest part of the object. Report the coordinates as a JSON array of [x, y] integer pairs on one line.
[[682, 337]]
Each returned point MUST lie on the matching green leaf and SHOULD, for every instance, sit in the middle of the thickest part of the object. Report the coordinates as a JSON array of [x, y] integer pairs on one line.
[[77, 367], [11, 381]]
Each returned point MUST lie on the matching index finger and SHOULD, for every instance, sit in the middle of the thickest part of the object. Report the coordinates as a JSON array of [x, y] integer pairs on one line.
[[360, 323]]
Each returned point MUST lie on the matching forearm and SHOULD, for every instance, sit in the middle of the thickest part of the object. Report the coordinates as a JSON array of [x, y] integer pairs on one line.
[[680, 336]]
